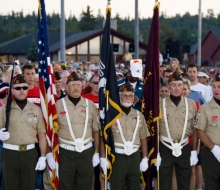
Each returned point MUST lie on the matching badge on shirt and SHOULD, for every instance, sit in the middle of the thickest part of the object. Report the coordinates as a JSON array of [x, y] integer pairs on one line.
[[198, 113], [116, 126], [35, 117], [83, 111], [62, 114], [214, 118], [32, 117], [134, 119], [195, 121], [167, 115]]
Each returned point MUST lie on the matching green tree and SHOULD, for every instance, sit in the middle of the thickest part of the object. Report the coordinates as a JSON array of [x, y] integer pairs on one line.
[[32, 54], [99, 20], [87, 21]]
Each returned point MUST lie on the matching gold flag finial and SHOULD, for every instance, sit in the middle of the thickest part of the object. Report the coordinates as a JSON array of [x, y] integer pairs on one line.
[[108, 9], [40, 9], [157, 4]]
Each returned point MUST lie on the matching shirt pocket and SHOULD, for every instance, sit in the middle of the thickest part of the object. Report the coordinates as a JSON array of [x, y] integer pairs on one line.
[[13, 122], [32, 122], [82, 117], [212, 122], [134, 123]]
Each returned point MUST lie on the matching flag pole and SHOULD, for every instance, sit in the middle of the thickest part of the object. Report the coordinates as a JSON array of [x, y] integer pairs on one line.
[[158, 150], [158, 140], [107, 95], [106, 155]]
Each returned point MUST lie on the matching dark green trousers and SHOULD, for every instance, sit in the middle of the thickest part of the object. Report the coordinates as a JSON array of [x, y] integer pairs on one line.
[[76, 169], [18, 169], [126, 172], [182, 165], [210, 169]]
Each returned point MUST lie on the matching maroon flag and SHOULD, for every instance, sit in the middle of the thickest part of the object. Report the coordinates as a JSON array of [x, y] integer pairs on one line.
[[150, 103]]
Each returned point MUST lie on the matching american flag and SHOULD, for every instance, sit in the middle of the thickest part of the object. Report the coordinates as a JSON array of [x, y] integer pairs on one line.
[[47, 92]]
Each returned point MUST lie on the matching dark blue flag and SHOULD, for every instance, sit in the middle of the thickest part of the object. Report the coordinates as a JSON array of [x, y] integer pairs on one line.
[[109, 108]]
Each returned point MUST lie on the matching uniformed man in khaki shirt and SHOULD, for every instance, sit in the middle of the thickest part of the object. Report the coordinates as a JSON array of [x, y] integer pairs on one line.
[[127, 58], [130, 133], [19, 156], [175, 128], [208, 130], [78, 128]]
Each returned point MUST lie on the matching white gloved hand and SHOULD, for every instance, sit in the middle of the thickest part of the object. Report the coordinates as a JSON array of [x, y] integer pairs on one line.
[[50, 160], [158, 163], [4, 135], [95, 159], [193, 158], [216, 152], [104, 165], [41, 164], [144, 164]]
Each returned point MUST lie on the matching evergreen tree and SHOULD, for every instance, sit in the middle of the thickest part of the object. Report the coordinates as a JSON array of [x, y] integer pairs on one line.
[[88, 20], [32, 54]]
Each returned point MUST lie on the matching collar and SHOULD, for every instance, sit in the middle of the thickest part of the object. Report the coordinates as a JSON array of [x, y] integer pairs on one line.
[[132, 112], [82, 102], [213, 104], [170, 103], [28, 106]]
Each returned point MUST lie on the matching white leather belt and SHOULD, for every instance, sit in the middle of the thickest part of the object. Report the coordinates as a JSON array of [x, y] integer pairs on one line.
[[186, 140], [72, 148], [121, 151], [18, 147]]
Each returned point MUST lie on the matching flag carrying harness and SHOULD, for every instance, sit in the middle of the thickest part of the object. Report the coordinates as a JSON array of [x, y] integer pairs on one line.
[[175, 146], [129, 147], [79, 143]]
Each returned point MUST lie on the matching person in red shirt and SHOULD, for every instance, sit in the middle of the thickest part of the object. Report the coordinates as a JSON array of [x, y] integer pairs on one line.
[[93, 95], [33, 91]]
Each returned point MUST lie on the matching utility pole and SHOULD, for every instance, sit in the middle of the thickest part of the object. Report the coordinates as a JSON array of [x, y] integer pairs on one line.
[[136, 32], [199, 34], [62, 33]]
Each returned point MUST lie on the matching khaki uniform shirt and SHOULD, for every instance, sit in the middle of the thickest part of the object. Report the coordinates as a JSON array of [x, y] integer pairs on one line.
[[127, 57], [77, 118], [128, 125], [176, 118], [209, 120], [24, 124]]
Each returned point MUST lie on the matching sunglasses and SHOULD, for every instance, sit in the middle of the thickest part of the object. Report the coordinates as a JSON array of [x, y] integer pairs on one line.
[[21, 87], [95, 82]]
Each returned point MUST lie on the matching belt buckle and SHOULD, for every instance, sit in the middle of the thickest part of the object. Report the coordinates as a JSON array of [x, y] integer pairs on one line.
[[175, 141], [22, 147]]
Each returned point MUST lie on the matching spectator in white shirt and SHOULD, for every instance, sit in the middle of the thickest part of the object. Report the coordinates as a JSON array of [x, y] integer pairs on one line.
[[192, 71]]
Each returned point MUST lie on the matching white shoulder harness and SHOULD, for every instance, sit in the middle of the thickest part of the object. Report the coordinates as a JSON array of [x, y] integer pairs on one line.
[[128, 145], [176, 147], [79, 142]]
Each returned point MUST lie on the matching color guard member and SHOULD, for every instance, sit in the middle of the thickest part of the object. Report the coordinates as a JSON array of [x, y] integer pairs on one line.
[[130, 133], [78, 125]]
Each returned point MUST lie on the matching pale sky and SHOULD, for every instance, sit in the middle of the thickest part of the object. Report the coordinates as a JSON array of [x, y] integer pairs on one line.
[[123, 7]]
